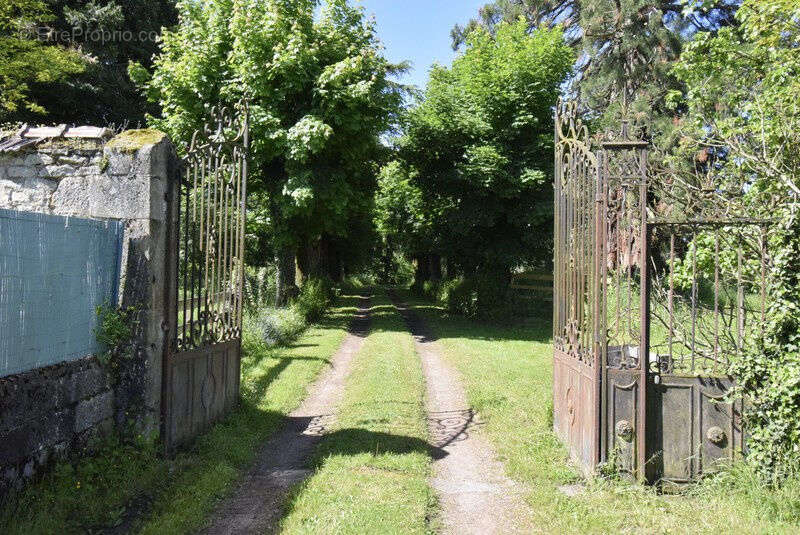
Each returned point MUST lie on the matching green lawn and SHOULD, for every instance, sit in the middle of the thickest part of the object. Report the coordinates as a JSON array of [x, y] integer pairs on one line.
[[507, 372], [372, 471], [132, 485]]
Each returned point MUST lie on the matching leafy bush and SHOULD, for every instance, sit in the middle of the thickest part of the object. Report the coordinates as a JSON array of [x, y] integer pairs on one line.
[[360, 280], [259, 287], [315, 296], [459, 297], [115, 326], [402, 273], [474, 296], [492, 295], [769, 378], [279, 326], [432, 289], [116, 329]]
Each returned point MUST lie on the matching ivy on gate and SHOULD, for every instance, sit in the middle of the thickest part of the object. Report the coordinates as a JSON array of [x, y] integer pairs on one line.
[[770, 377]]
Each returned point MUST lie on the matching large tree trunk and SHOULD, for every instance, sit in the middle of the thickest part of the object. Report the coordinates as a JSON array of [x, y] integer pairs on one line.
[[335, 262], [449, 268], [312, 259], [285, 286]]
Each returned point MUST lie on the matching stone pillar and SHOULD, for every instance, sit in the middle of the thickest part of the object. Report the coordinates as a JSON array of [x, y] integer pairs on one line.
[[147, 163]]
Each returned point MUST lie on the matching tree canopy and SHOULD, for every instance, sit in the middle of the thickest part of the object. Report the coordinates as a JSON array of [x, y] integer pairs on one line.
[[27, 63], [476, 155], [70, 57], [320, 94], [625, 48]]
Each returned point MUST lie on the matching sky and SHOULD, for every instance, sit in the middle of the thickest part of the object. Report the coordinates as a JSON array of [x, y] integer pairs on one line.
[[419, 31]]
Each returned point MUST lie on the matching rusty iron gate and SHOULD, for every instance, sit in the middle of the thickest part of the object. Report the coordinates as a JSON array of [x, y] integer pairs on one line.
[[655, 294], [203, 358]]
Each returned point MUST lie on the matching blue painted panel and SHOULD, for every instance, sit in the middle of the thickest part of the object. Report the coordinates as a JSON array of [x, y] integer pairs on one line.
[[54, 271]]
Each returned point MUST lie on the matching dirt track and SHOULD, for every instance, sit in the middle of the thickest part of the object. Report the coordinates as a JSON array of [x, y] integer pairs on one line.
[[474, 492], [257, 504], [475, 495]]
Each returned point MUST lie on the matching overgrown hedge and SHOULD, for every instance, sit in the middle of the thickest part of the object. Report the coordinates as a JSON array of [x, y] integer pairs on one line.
[[770, 378]]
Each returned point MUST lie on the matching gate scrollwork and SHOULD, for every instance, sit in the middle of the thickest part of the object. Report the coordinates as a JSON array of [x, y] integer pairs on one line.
[[574, 273], [211, 231]]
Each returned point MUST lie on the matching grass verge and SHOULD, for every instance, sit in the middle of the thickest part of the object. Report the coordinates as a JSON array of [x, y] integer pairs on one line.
[[507, 372], [131, 487], [371, 471]]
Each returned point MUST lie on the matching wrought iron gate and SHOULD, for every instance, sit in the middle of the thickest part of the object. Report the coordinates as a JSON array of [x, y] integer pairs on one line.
[[575, 291], [203, 360], [654, 296]]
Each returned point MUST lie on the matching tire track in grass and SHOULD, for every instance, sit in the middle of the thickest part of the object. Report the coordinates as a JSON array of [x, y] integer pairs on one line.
[[257, 503], [475, 494], [373, 467]]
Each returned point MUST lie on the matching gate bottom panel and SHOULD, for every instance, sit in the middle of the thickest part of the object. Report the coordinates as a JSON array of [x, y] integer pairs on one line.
[[202, 387], [575, 409], [621, 419], [693, 429]]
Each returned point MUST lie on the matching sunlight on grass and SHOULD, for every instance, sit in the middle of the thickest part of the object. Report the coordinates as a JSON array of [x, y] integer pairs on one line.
[[125, 482], [372, 470], [507, 371]]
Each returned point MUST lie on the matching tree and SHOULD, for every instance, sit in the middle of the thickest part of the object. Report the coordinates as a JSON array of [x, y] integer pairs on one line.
[[107, 35], [626, 47], [26, 63], [479, 148], [320, 93], [538, 13], [403, 220], [740, 111]]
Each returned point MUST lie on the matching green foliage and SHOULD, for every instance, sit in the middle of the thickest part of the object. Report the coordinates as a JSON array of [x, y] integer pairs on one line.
[[476, 157], [400, 214], [26, 63], [259, 287], [315, 296], [69, 64], [278, 326], [770, 377], [320, 93], [627, 74], [740, 109], [99, 486], [400, 271], [701, 256], [115, 330], [458, 297], [626, 48], [461, 296]]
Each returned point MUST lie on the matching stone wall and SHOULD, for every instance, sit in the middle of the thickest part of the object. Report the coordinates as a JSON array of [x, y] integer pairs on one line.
[[53, 411], [49, 412]]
